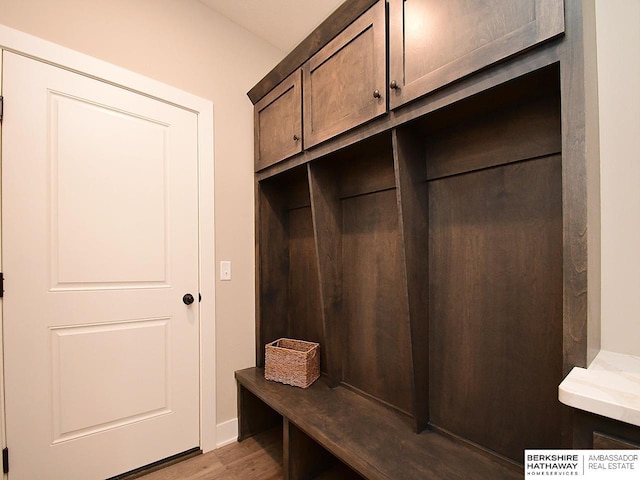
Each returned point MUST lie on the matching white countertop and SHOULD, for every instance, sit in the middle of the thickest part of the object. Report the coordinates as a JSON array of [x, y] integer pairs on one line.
[[609, 387]]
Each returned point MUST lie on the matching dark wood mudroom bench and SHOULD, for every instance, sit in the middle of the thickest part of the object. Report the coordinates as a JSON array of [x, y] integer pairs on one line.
[[320, 423], [427, 202]]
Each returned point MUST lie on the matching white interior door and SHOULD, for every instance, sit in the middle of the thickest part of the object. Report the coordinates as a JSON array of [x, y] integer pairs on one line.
[[100, 243]]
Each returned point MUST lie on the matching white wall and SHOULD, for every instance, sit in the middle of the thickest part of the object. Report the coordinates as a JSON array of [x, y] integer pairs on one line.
[[618, 50], [184, 44]]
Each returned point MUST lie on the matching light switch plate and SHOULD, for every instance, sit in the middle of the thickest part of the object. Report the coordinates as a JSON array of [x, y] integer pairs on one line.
[[225, 270]]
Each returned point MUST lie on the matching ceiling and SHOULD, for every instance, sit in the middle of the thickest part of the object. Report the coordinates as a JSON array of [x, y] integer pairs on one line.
[[282, 23]]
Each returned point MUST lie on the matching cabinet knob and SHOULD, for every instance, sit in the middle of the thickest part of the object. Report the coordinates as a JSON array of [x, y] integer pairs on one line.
[[296, 138], [393, 85], [376, 93]]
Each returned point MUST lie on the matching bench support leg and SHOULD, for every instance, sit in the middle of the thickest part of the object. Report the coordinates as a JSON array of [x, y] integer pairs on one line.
[[304, 459], [254, 416]]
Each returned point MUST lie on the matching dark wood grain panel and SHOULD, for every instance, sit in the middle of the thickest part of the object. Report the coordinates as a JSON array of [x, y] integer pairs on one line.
[[257, 251], [289, 296], [327, 221], [339, 472], [340, 80], [295, 190], [365, 167], [581, 195], [278, 123], [254, 416], [303, 457], [607, 442], [305, 313], [590, 429], [374, 441], [273, 257], [377, 354], [495, 312], [413, 208], [433, 43], [341, 18], [581, 185], [336, 90], [536, 83], [461, 26], [479, 142]]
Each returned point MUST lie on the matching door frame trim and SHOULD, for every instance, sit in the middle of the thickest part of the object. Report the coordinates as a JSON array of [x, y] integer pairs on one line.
[[44, 51]]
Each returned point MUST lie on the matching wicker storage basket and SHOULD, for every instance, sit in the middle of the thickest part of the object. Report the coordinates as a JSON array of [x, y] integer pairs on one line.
[[294, 362]]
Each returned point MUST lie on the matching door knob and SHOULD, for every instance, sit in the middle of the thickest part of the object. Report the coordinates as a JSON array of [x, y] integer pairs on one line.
[[188, 299]]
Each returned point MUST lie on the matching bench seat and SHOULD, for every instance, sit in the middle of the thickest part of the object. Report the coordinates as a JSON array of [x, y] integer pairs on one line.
[[374, 441]]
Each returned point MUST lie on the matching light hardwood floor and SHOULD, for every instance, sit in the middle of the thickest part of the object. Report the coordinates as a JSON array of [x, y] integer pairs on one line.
[[256, 458]]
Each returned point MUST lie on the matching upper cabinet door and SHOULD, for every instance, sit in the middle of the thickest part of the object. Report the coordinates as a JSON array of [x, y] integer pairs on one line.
[[344, 83], [434, 42], [278, 122]]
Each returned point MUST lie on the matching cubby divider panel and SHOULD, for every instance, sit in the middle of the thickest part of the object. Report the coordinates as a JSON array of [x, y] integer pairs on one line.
[[254, 416], [413, 207], [305, 318], [327, 222], [305, 459]]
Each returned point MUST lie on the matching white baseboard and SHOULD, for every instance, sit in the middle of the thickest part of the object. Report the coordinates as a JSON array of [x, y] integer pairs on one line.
[[226, 432]]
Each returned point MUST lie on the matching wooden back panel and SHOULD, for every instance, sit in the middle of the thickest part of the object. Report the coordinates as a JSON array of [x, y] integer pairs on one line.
[[288, 288], [369, 312], [495, 290]]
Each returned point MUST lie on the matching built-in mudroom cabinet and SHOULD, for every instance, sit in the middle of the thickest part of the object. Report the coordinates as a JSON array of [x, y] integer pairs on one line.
[[424, 177]]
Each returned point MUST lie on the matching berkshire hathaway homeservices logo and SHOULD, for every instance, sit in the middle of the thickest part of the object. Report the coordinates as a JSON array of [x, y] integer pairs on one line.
[[585, 464]]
